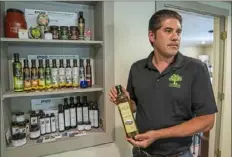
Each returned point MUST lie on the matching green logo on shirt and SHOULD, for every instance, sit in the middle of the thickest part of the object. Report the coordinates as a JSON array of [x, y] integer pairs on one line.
[[174, 80]]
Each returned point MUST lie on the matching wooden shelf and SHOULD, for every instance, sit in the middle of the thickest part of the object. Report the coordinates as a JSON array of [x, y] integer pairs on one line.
[[49, 42], [12, 94]]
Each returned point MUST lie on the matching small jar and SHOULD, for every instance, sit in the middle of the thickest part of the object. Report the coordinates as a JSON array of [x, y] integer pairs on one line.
[[19, 139], [74, 34], [34, 132], [22, 127], [55, 32], [88, 125], [64, 33], [20, 117], [14, 128], [80, 126]]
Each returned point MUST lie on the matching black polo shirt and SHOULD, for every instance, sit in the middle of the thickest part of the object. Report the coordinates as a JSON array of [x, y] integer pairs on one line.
[[169, 98]]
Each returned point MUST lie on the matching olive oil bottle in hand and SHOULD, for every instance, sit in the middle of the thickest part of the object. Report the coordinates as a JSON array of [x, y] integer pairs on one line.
[[126, 114]]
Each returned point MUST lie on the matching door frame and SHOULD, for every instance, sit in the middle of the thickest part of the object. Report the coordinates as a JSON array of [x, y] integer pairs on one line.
[[219, 24]]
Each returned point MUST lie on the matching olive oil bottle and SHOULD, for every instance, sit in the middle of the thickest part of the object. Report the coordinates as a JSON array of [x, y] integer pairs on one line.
[[88, 73], [41, 74], [55, 79], [34, 75], [48, 77], [75, 77], [81, 25], [126, 114], [17, 74], [68, 73], [62, 80], [26, 76]]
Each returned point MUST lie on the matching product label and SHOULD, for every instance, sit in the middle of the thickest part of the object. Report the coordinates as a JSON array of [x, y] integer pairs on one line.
[[15, 130], [86, 114], [53, 124], [96, 118], [61, 76], [34, 78], [34, 120], [47, 125], [91, 117], [127, 117], [73, 116], [82, 74], [79, 114], [27, 79], [67, 117], [61, 121], [75, 76], [55, 77], [18, 77], [68, 73], [42, 126], [41, 77]]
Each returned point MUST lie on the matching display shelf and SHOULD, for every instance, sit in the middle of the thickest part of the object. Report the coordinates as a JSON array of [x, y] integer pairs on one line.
[[12, 94], [49, 42]]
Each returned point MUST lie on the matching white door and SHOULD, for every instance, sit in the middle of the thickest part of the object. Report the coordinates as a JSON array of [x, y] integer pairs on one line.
[[218, 55]]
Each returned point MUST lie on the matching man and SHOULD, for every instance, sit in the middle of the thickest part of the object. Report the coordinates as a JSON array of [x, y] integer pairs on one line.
[[170, 93]]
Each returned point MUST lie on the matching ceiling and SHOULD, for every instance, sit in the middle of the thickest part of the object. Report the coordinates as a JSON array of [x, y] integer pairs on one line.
[[195, 29]]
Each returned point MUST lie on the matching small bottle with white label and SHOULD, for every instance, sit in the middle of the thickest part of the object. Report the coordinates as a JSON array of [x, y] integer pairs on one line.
[[55, 74], [85, 110], [91, 113], [95, 115], [73, 113], [53, 123], [61, 118], [47, 124], [66, 114], [42, 124], [62, 80], [68, 73], [75, 72]]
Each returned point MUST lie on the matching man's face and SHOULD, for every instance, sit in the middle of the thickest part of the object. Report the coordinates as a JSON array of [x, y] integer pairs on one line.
[[167, 39]]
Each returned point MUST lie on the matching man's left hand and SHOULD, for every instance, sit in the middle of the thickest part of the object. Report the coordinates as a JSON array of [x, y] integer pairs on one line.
[[143, 140]]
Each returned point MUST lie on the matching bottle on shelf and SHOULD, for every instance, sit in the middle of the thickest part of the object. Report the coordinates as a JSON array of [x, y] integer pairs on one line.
[[41, 75], [34, 75], [33, 118], [79, 111], [91, 113], [48, 77], [75, 77], [68, 73], [42, 124], [17, 74], [53, 123], [81, 25], [47, 124], [73, 113], [95, 115], [61, 118], [85, 109], [62, 80], [66, 114], [55, 79], [126, 114], [26, 76], [83, 83], [88, 73]]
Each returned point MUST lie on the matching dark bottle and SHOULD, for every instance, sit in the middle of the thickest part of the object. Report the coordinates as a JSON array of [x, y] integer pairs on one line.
[[48, 75], [88, 73], [42, 124], [91, 113], [26, 76], [85, 110], [33, 118], [61, 118], [79, 110], [41, 74], [75, 74], [73, 114], [55, 79], [62, 80], [68, 73], [66, 114], [95, 115], [81, 25], [47, 124], [126, 114], [53, 123], [17, 74], [34, 75], [82, 71]]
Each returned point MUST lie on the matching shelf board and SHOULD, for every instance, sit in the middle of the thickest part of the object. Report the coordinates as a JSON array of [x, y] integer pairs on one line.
[[92, 138], [43, 41], [12, 94]]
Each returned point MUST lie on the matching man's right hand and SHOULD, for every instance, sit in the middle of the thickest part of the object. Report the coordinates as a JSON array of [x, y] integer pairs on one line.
[[113, 94]]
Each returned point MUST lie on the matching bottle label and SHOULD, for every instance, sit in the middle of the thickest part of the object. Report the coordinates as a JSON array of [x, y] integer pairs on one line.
[[79, 114], [18, 77], [34, 120], [127, 117], [34, 78], [91, 117], [86, 114], [42, 126], [73, 116], [61, 76], [53, 124], [41, 77], [55, 76], [47, 125], [75, 76], [67, 117], [68, 73], [96, 118], [27, 79], [82, 74], [61, 121]]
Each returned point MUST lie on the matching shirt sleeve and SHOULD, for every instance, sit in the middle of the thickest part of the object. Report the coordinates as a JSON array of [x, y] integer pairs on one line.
[[203, 101], [130, 87]]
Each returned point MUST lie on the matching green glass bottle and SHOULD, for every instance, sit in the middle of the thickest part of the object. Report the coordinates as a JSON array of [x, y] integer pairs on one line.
[[18, 74]]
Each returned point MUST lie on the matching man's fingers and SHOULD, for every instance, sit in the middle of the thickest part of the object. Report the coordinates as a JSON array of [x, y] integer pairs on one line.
[[112, 97], [141, 137], [133, 142]]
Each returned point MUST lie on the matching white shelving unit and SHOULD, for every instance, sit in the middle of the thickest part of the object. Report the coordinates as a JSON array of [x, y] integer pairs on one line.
[[99, 18]]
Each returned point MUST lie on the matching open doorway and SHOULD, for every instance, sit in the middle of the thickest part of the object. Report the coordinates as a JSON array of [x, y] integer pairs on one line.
[[197, 42]]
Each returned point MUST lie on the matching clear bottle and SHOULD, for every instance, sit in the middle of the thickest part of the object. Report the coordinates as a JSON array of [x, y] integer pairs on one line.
[[17, 74], [126, 114], [75, 72], [68, 73], [55, 79], [41, 75], [26, 76], [62, 81]]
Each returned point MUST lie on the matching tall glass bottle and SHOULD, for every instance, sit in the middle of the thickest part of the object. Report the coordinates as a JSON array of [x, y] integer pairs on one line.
[[55, 79], [17, 74], [75, 72], [126, 114], [48, 75], [68, 73], [34, 75], [88, 73], [62, 74], [82, 71], [26, 76], [41, 74], [81, 25]]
